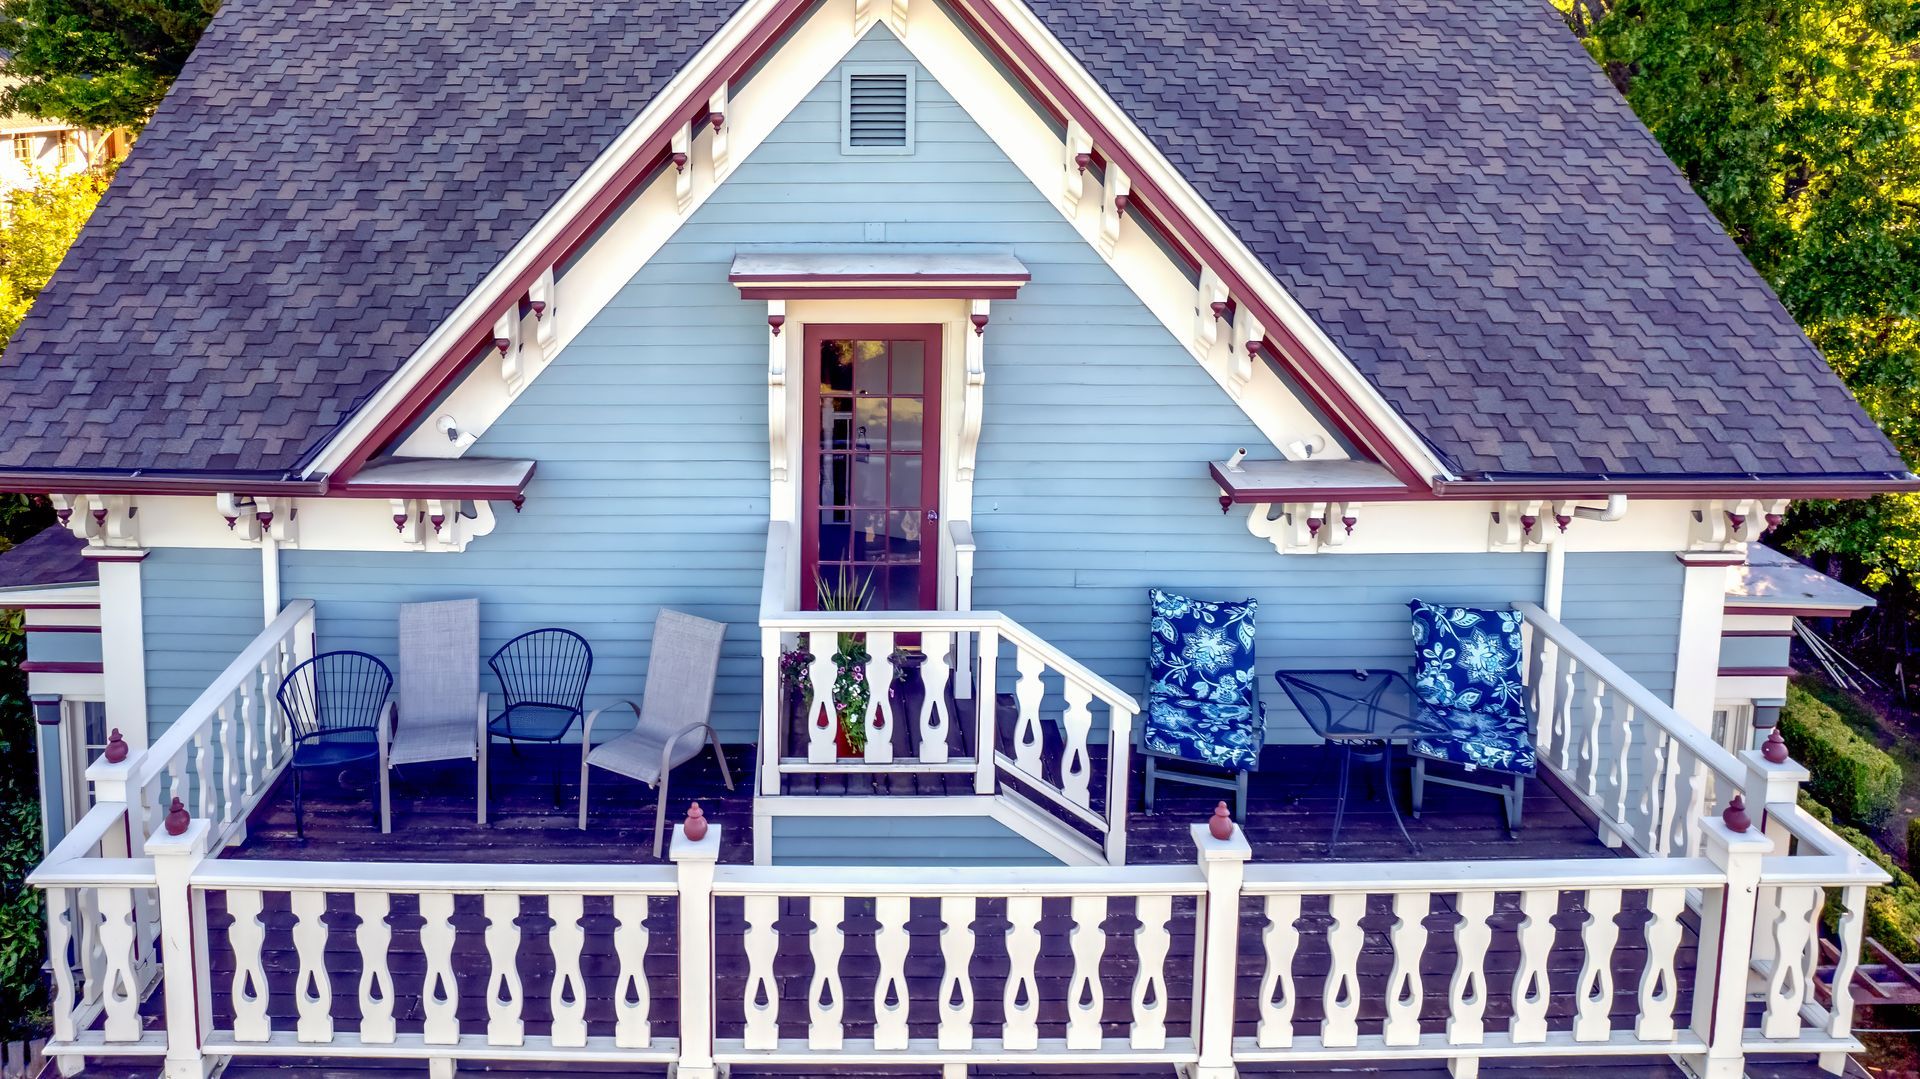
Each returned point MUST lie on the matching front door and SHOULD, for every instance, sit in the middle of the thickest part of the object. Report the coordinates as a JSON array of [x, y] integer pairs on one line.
[[871, 515]]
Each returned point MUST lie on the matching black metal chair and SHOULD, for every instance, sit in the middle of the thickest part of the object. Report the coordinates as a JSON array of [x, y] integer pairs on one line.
[[337, 706], [543, 679]]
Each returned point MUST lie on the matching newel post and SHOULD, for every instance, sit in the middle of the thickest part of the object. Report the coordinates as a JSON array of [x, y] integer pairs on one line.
[[111, 775], [1223, 853], [177, 851], [696, 847], [1772, 780], [1727, 927]]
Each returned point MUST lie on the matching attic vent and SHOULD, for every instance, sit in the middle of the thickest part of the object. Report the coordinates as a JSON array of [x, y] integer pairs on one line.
[[879, 110]]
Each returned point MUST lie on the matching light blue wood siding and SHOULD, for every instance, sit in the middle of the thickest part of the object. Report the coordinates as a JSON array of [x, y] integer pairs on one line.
[[1750, 652], [201, 608], [882, 840], [63, 647]]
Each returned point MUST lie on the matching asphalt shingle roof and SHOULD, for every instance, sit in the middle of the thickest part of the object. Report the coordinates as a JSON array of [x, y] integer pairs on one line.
[[50, 556], [1449, 189]]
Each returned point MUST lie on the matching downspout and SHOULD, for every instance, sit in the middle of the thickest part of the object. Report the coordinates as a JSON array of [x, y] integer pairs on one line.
[[1556, 580], [269, 574]]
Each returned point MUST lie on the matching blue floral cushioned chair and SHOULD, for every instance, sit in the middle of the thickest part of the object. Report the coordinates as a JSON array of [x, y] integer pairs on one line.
[[1204, 724], [1471, 701]]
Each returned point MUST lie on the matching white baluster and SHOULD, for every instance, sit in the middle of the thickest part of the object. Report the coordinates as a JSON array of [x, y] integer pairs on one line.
[[1540, 689], [245, 937], [936, 720], [1467, 994], [1658, 983], [1076, 769], [762, 997], [879, 717], [1590, 751], [632, 998], [1652, 752], [59, 949], [1563, 698], [1787, 989], [826, 998], [1280, 940], [120, 984], [1150, 944], [504, 1025], [1021, 1028], [209, 791], [986, 706], [373, 936], [251, 743], [312, 989], [229, 764], [1404, 990], [1853, 909], [568, 996], [1085, 1000], [1593, 1020], [1531, 991], [440, 988], [1341, 999], [1623, 726], [1694, 772], [92, 957], [1028, 740], [821, 716], [1669, 783], [890, 987], [956, 984]]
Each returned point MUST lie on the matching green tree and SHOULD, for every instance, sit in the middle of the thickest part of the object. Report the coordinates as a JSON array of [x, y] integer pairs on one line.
[[96, 63], [1798, 121], [42, 222]]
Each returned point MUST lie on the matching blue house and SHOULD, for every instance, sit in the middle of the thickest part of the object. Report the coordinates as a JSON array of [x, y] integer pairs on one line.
[[907, 346]]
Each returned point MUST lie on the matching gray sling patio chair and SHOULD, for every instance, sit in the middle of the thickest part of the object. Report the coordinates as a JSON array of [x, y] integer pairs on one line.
[[443, 713], [670, 723]]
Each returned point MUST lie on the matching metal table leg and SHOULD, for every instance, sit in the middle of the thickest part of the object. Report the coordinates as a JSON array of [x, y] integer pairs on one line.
[[1393, 803], [1340, 795]]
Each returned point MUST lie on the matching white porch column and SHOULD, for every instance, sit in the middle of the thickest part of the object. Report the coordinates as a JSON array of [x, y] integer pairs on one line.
[[183, 931], [123, 650], [1726, 947], [695, 858], [1703, 601], [1224, 862]]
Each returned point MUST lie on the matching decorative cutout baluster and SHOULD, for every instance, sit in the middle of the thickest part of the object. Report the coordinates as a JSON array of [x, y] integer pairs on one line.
[[821, 715], [1086, 1001], [1665, 830], [826, 998], [1076, 768], [440, 988], [251, 743], [312, 989], [1793, 932], [119, 981], [956, 984], [504, 996], [1853, 908], [1029, 741], [762, 997], [59, 957], [1623, 726], [1590, 749], [229, 763], [1531, 991], [373, 936], [936, 720], [879, 717], [1467, 994], [203, 775], [245, 937], [1404, 991], [1593, 1019], [890, 987], [1540, 689], [632, 998], [1281, 940], [1340, 1028], [1020, 1029], [567, 998], [1150, 944], [93, 958], [1564, 688], [1659, 985], [1694, 806]]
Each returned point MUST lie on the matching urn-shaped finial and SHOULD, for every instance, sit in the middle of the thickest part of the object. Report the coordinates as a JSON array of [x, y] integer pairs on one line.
[[696, 827], [1775, 748], [1736, 815], [1221, 826], [177, 818], [116, 747]]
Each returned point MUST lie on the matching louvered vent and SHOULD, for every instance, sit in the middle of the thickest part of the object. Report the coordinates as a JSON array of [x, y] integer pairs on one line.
[[879, 112]]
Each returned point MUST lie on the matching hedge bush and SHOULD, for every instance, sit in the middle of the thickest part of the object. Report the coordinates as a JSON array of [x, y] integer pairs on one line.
[[1854, 777], [1893, 912], [1913, 844]]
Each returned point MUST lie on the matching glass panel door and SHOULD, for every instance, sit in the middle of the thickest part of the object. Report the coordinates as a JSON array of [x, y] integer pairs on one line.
[[871, 521]]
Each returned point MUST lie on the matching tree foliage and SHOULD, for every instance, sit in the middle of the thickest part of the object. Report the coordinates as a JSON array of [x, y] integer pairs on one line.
[[1798, 121], [96, 63], [42, 223]]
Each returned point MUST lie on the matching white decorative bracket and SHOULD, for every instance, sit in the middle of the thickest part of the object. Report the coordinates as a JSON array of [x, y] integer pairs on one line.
[[777, 389], [101, 520], [1209, 308], [1113, 209], [717, 113], [1076, 155], [680, 156], [1731, 524], [1518, 526], [541, 303], [278, 519], [1304, 527], [237, 512], [1249, 336], [432, 524], [866, 11], [973, 392], [506, 343]]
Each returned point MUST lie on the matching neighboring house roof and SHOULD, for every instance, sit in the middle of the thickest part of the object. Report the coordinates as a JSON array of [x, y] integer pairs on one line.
[[1451, 190], [47, 558], [1772, 580]]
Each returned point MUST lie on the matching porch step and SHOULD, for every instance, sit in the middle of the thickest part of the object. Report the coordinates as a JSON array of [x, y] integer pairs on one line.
[[1045, 830]]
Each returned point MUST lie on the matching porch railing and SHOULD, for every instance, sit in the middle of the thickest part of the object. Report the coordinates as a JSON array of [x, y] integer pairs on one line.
[[1052, 738]]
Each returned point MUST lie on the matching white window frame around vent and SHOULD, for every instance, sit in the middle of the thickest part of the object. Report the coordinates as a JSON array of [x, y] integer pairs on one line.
[[847, 74]]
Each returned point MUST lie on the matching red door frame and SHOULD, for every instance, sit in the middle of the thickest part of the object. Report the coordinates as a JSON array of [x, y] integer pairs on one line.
[[931, 335]]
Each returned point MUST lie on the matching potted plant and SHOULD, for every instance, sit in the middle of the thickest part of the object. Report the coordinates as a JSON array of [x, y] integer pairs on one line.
[[851, 693]]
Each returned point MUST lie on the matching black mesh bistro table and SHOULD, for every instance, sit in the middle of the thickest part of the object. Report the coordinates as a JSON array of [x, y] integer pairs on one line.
[[1360, 713]]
